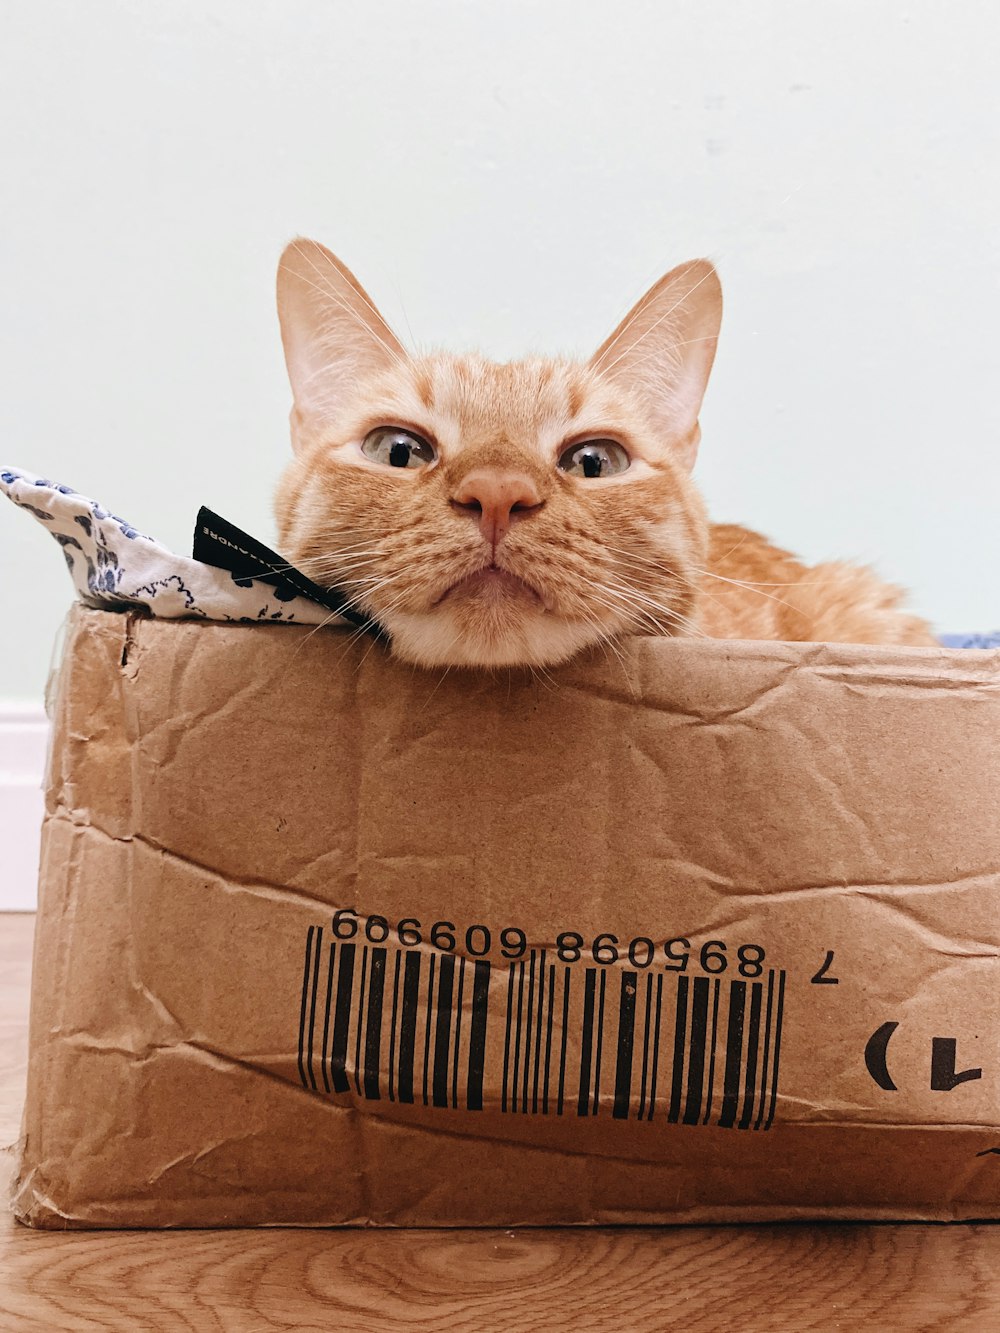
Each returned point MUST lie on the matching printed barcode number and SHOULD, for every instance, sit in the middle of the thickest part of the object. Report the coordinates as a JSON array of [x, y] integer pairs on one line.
[[538, 1037]]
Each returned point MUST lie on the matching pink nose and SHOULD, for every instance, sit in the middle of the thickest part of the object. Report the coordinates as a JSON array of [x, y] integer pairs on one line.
[[496, 499]]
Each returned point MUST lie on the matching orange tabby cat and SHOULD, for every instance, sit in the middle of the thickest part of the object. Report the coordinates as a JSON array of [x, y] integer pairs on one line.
[[504, 515]]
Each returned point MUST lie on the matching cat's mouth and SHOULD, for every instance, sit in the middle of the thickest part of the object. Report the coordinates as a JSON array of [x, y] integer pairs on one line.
[[491, 585], [490, 618]]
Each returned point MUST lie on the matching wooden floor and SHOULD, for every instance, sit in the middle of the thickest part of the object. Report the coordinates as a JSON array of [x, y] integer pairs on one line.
[[766, 1279]]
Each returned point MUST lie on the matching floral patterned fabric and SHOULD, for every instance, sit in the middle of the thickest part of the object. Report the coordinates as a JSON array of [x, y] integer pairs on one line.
[[115, 567]]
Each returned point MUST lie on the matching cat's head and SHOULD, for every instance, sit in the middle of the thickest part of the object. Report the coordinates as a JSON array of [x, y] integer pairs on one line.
[[488, 514]]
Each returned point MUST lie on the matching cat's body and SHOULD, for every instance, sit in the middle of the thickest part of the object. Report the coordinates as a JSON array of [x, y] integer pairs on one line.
[[514, 514], [757, 591]]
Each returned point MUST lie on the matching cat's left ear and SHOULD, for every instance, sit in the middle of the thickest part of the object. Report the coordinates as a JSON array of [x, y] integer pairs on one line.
[[663, 350]]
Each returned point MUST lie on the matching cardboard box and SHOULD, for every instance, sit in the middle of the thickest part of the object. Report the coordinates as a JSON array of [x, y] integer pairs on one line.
[[708, 932]]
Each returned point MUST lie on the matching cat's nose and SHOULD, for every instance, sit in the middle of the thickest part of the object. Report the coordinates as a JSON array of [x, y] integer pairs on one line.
[[496, 500]]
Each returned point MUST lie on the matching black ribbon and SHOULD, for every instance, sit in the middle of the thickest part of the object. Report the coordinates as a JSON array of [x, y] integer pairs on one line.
[[219, 543]]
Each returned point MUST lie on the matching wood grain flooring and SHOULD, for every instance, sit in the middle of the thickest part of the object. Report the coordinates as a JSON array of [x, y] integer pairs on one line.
[[768, 1279]]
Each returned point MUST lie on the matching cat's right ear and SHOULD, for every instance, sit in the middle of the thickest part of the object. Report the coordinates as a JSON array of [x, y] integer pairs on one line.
[[332, 334], [663, 350]]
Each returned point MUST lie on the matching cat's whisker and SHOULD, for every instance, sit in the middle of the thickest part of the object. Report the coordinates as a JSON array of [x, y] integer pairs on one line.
[[359, 632], [334, 615], [540, 666], [606, 641], [641, 600], [329, 574], [351, 574], [350, 641], [750, 584], [382, 611], [635, 618], [437, 685], [553, 683], [339, 578], [282, 569], [365, 542], [655, 610], [353, 603], [660, 566], [735, 548], [356, 631], [406, 318], [371, 648], [359, 590], [749, 587], [542, 677], [638, 603], [275, 569], [356, 578], [632, 591], [604, 634], [763, 583], [348, 553]]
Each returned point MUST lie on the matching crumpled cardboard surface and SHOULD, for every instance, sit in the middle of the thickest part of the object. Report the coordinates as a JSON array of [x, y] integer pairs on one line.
[[708, 933]]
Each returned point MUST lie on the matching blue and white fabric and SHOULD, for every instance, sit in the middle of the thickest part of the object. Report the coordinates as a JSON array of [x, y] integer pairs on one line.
[[116, 567]]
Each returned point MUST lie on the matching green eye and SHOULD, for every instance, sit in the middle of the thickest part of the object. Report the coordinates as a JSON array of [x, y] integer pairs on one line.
[[397, 448], [594, 458]]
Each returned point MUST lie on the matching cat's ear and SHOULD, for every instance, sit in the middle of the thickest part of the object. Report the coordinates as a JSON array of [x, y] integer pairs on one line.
[[663, 352], [332, 335]]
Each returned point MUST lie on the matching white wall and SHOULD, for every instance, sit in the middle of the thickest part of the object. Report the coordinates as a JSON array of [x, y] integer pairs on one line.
[[23, 744], [511, 176]]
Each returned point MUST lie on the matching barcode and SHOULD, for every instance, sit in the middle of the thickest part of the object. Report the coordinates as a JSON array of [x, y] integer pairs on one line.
[[539, 1037]]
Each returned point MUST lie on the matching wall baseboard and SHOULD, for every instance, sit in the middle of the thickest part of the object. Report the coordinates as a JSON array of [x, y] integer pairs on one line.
[[24, 734]]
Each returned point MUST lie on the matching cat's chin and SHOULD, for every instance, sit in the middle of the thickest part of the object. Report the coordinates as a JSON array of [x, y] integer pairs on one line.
[[443, 638]]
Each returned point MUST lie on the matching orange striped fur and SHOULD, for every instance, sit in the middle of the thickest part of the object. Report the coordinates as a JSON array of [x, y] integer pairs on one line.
[[590, 559]]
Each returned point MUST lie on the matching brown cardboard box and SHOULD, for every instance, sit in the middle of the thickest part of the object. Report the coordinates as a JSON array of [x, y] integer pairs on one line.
[[710, 932]]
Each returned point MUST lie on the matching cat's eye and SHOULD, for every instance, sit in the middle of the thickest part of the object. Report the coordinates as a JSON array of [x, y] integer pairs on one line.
[[397, 448], [593, 458]]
